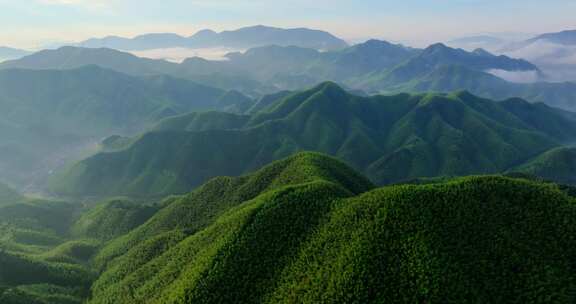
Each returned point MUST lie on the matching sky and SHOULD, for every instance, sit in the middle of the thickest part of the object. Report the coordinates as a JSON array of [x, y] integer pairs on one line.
[[35, 23]]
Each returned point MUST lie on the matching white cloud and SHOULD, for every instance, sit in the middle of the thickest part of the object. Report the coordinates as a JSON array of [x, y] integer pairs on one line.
[[516, 77]]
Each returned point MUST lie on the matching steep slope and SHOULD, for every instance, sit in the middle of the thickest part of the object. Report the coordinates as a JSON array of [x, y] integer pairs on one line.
[[304, 230], [391, 138], [184, 216], [558, 165], [111, 219], [37, 264]]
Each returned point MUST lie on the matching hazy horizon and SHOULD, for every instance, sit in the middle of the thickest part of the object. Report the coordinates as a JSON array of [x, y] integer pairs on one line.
[[37, 23]]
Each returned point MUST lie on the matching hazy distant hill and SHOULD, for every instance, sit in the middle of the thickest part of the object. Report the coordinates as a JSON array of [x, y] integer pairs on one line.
[[247, 37], [391, 138], [564, 38], [7, 53], [73, 57], [555, 53], [48, 116]]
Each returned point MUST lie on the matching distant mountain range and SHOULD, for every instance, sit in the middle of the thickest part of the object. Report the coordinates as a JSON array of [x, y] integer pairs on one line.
[[371, 67], [389, 138], [247, 37]]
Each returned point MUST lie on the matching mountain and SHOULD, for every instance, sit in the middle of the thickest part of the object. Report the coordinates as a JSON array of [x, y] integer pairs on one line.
[[361, 59], [198, 70], [390, 138], [563, 38], [450, 78], [555, 53], [372, 67], [308, 229], [7, 53], [68, 111], [141, 42], [111, 219], [557, 164], [438, 55], [68, 57], [38, 264], [304, 229], [247, 37]]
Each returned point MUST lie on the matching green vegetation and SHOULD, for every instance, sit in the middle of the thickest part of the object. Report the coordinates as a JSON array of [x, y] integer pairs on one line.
[[46, 252], [558, 165], [111, 219], [314, 238], [389, 138], [308, 229]]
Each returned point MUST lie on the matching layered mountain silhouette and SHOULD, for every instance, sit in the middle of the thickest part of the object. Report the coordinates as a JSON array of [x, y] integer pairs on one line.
[[390, 138], [373, 67], [247, 37]]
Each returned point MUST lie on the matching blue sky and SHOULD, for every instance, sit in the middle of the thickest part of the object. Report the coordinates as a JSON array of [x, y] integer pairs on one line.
[[28, 23]]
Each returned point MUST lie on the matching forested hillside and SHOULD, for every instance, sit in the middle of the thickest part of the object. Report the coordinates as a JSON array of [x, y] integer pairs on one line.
[[389, 138]]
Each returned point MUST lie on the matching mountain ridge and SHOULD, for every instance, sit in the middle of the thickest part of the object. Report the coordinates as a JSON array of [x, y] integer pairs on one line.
[[246, 37], [390, 138]]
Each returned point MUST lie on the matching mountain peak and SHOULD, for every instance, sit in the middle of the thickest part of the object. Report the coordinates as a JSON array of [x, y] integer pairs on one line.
[[438, 46], [482, 52], [204, 34], [331, 88]]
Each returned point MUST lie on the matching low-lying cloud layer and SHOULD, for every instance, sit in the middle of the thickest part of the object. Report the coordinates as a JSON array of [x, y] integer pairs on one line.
[[557, 61], [516, 77]]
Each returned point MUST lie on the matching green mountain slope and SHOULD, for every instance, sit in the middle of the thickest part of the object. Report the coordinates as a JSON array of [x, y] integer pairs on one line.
[[198, 209], [391, 138], [111, 219], [304, 230], [448, 78], [558, 165], [37, 262]]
